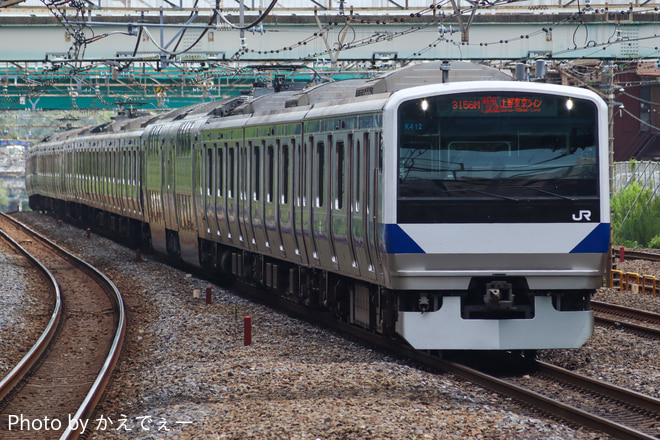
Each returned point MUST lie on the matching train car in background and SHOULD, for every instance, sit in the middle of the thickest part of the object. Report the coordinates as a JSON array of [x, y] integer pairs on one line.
[[454, 208]]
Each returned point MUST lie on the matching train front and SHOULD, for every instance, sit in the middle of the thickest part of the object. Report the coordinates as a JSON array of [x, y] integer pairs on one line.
[[495, 214]]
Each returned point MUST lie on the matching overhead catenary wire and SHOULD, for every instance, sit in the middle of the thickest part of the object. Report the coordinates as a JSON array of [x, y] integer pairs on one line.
[[251, 25]]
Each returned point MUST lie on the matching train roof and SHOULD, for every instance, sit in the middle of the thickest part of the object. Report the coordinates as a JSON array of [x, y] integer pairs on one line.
[[430, 73], [351, 90], [321, 95]]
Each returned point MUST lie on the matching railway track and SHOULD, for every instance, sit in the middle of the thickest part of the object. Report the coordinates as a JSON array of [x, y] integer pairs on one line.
[[618, 420], [639, 321], [578, 399], [52, 391], [621, 413], [638, 255]]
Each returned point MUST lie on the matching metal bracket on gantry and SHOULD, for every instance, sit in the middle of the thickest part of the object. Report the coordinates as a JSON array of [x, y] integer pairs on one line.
[[465, 28], [334, 55]]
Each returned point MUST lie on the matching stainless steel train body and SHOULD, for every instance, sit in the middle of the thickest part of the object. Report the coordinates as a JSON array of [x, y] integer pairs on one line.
[[457, 214]]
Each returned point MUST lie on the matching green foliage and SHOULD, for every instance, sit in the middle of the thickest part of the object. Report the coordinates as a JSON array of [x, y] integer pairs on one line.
[[34, 126], [636, 217], [655, 242], [4, 199]]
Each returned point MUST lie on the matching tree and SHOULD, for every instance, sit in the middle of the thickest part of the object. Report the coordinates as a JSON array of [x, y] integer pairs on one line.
[[636, 217]]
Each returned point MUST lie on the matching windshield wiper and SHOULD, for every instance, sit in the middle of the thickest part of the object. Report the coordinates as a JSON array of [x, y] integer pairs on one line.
[[550, 193], [409, 162], [499, 196]]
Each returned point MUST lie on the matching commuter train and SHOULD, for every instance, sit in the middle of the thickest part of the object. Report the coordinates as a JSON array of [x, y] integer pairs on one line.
[[442, 203]]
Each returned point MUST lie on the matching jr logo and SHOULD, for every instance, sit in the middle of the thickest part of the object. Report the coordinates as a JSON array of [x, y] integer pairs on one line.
[[584, 214]]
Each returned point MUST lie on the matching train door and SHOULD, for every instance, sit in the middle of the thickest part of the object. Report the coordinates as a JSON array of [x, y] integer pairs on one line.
[[168, 186], [233, 192], [140, 160], [372, 195], [152, 186], [123, 196], [271, 214], [208, 226], [248, 173], [321, 202], [116, 175], [112, 180], [96, 178], [299, 186], [221, 190], [349, 201], [339, 236], [130, 186], [287, 198], [255, 226], [136, 178], [360, 172], [308, 203]]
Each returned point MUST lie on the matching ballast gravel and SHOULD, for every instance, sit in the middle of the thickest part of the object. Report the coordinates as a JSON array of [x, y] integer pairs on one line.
[[25, 307], [186, 374]]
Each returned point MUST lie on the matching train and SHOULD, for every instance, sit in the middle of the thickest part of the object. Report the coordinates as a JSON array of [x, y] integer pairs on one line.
[[442, 203]]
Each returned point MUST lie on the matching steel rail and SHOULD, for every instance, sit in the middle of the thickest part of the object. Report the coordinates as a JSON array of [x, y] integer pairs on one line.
[[622, 316], [629, 254], [621, 394], [542, 403], [98, 387], [9, 382], [551, 406]]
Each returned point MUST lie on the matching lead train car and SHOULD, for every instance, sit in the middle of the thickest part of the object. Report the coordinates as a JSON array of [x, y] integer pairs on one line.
[[466, 212]]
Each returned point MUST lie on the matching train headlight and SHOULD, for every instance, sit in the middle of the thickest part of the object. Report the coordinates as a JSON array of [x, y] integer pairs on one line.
[[569, 104], [425, 105]]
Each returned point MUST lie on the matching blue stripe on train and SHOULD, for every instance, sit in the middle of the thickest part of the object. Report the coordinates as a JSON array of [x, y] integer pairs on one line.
[[398, 242], [597, 242]]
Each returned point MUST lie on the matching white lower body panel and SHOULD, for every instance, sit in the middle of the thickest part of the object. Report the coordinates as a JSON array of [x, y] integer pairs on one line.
[[444, 329]]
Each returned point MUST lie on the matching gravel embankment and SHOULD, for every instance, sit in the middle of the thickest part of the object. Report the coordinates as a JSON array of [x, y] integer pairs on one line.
[[25, 306], [617, 356], [185, 370]]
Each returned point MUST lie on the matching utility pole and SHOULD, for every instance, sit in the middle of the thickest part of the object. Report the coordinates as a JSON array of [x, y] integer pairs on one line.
[[609, 73], [610, 117], [606, 91]]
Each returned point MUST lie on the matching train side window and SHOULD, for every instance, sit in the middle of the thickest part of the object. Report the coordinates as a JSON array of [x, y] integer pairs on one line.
[[340, 177], [256, 169], [271, 174], [320, 174], [304, 183], [209, 171], [379, 143], [231, 162], [358, 175], [170, 165], [244, 177], [285, 175], [127, 168], [135, 168], [198, 179], [96, 173], [220, 170]]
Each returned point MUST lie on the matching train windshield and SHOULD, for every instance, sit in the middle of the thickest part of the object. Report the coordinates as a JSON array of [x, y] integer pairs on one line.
[[502, 151]]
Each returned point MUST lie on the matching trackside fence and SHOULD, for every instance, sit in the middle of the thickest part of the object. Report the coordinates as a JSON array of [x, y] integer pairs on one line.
[[634, 282], [644, 173]]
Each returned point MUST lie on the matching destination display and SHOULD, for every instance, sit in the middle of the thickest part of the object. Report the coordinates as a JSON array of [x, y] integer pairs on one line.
[[499, 104], [425, 115]]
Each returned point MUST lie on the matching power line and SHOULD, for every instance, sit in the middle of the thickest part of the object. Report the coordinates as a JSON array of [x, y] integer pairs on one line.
[[638, 119]]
